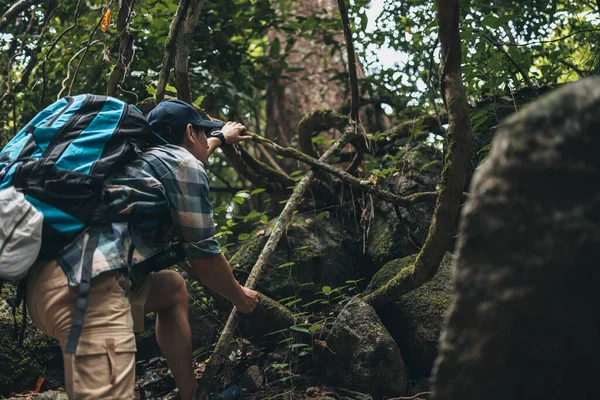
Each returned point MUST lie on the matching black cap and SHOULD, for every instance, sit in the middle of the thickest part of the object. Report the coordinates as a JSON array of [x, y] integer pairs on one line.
[[172, 115]]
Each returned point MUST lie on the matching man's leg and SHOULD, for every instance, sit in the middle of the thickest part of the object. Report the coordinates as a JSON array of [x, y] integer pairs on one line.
[[104, 367], [168, 298]]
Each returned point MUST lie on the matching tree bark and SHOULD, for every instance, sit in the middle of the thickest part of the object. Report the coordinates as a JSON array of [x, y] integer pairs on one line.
[[125, 48], [454, 174], [351, 59], [163, 77], [182, 80]]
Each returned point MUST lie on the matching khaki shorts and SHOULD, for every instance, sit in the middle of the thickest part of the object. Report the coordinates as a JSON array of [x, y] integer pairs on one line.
[[104, 364]]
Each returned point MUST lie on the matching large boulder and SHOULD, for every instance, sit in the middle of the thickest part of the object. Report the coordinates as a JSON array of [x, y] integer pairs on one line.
[[415, 321], [525, 324], [361, 355], [314, 252]]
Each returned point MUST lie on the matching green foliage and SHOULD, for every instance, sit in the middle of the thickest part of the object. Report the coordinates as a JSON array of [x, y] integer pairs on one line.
[[548, 41]]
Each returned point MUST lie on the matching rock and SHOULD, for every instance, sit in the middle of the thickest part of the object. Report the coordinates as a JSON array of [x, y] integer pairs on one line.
[[525, 321], [390, 238], [322, 253], [416, 319], [361, 355], [253, 378]]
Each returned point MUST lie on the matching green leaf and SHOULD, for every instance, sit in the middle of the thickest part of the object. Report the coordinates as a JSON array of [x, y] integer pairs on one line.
[[297, 345], [244, 236], [323, 215], [199, 100], [243, 194], [291, 303], [299, 328], [326, 289], [319, 140], [151, 90], [287, 264], [315, 328], [171, 88], [256, 191], [198, 351]]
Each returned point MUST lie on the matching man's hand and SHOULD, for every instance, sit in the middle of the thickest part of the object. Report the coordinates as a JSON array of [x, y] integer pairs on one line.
[[233, 133], [248, 302]]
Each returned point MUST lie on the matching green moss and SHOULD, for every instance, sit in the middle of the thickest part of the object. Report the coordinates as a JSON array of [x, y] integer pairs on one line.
[[415, 320], [389, 271]]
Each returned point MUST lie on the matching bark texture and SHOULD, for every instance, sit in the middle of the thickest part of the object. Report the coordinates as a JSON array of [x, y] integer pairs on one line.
[[170, 48], [125, 48], [525, 323], [182, 80]]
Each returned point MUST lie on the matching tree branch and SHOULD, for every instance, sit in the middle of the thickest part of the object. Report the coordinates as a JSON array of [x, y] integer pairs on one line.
[[18, 53], [458, 144], [87, 47], [351, 58], [402, 201], [547, 41], [183, 51], [222, 347], [125, 48], [14, 10], [574, 67], [317, 121], [270, 159], [264, 170], [51, 48], [163, 77]]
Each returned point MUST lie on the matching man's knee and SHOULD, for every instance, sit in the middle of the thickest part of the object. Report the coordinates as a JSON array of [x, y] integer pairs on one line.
[[168, 290]]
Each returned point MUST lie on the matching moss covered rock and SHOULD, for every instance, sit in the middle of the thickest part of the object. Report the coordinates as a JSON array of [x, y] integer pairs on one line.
[[415, 321], [361, 355], [314, 252]]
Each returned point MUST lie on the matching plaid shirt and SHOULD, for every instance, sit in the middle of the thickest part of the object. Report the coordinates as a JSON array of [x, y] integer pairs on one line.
[[165, 193]]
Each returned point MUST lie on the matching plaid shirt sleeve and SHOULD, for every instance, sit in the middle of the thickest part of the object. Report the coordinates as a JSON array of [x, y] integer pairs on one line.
[[186, 188]]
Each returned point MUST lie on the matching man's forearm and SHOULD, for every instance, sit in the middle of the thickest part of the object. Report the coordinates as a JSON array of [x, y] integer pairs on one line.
[[215, 273], [213, 144]]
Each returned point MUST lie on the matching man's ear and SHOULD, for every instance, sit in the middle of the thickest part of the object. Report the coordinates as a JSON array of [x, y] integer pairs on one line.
[[190, 133]]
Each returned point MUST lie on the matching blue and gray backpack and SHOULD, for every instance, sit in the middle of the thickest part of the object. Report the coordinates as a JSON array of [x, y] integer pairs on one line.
[[60, 159], [58, 162]]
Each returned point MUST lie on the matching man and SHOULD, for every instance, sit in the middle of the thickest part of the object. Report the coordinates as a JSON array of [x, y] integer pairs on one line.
[[163, 194]]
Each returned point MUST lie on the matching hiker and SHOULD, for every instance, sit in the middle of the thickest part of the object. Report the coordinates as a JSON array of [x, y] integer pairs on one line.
[[167, 190]]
